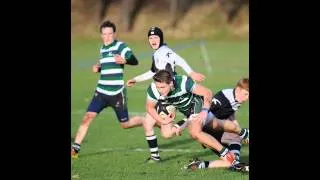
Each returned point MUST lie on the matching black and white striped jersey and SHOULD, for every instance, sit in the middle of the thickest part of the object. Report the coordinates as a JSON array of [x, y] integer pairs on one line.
[[166, 58], [224, 104]]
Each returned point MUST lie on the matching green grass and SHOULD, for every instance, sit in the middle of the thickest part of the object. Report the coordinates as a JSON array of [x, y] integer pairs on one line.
[[110, 152]]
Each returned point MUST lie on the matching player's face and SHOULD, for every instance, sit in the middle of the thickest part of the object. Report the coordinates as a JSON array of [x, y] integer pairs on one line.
[[154, 41], [242, 95], [163, 88], [107, 35]]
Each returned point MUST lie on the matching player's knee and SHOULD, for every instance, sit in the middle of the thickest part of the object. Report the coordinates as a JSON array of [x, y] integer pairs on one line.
[[194, 135], [236, 128], [125, 125], [148, 127], [88, 117]]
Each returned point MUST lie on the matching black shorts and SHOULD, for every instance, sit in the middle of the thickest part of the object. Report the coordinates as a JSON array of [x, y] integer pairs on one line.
[[216, 134], [117, 102]]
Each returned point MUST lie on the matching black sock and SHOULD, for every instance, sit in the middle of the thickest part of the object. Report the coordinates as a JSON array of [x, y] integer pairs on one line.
[[180, 123], [215, 151], [203, 164], [206, 164], [235, 148], [153, 147], [223, 151], [244, 133], [76, 147]]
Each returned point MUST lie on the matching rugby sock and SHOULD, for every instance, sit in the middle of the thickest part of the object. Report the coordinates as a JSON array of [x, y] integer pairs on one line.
[[235, 148], [182, 123], [153, 146], [244, 133], [203, 164], [76, 147], [223, 151]]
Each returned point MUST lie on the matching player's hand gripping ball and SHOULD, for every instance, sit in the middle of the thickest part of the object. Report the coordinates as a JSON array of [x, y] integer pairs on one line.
[[166, 110]]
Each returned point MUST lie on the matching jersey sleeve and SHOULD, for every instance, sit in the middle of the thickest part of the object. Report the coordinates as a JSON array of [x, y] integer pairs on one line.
[[127, 54], [125, 51], [189, 84], [145, 76], [150, 95], [181, 62]]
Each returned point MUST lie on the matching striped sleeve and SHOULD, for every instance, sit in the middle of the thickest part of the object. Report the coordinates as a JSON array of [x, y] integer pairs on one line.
[[189, 84], [125, 51], [150, 95]]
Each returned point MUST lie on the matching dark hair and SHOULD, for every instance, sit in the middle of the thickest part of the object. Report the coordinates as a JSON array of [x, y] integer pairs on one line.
[[108, 24], [163, 76]]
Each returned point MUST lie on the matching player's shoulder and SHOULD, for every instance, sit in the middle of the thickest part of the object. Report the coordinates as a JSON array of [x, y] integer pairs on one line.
[[163, 50], [152, 91], [103, 49], [182, 79], [120, 43], [227, 91], [151, 87], [219, 94]]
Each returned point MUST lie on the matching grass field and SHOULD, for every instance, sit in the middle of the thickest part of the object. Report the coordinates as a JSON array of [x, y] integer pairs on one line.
[[110, 152]]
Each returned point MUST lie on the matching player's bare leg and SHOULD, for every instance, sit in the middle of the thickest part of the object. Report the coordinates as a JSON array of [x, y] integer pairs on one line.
[[134, 121], [81, 133], [195, 130], [151, 138], [198, 164], [197, 134], [232, 127], [234, 142]]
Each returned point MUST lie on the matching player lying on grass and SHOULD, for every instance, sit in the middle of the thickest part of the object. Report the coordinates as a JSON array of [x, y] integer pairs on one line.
[[189, 98], [222, 113], [229, 140]]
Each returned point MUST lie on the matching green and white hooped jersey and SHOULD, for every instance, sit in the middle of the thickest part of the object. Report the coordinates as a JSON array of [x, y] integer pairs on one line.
[[181, 97], [111, 80]]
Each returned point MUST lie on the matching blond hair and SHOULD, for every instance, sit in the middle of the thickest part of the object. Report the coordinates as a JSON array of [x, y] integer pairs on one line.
[[243, 83]]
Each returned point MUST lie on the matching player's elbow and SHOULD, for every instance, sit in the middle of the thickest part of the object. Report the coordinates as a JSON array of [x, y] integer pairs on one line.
[[208, 94], [135, 63]]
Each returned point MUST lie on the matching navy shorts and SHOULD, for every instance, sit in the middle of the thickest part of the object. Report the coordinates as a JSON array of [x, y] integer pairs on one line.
[[117, 102]]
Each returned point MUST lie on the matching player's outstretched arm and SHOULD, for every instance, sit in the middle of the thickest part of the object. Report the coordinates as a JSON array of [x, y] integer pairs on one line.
[[207, 98], [143, 77], [185, 66], [197, 76]]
